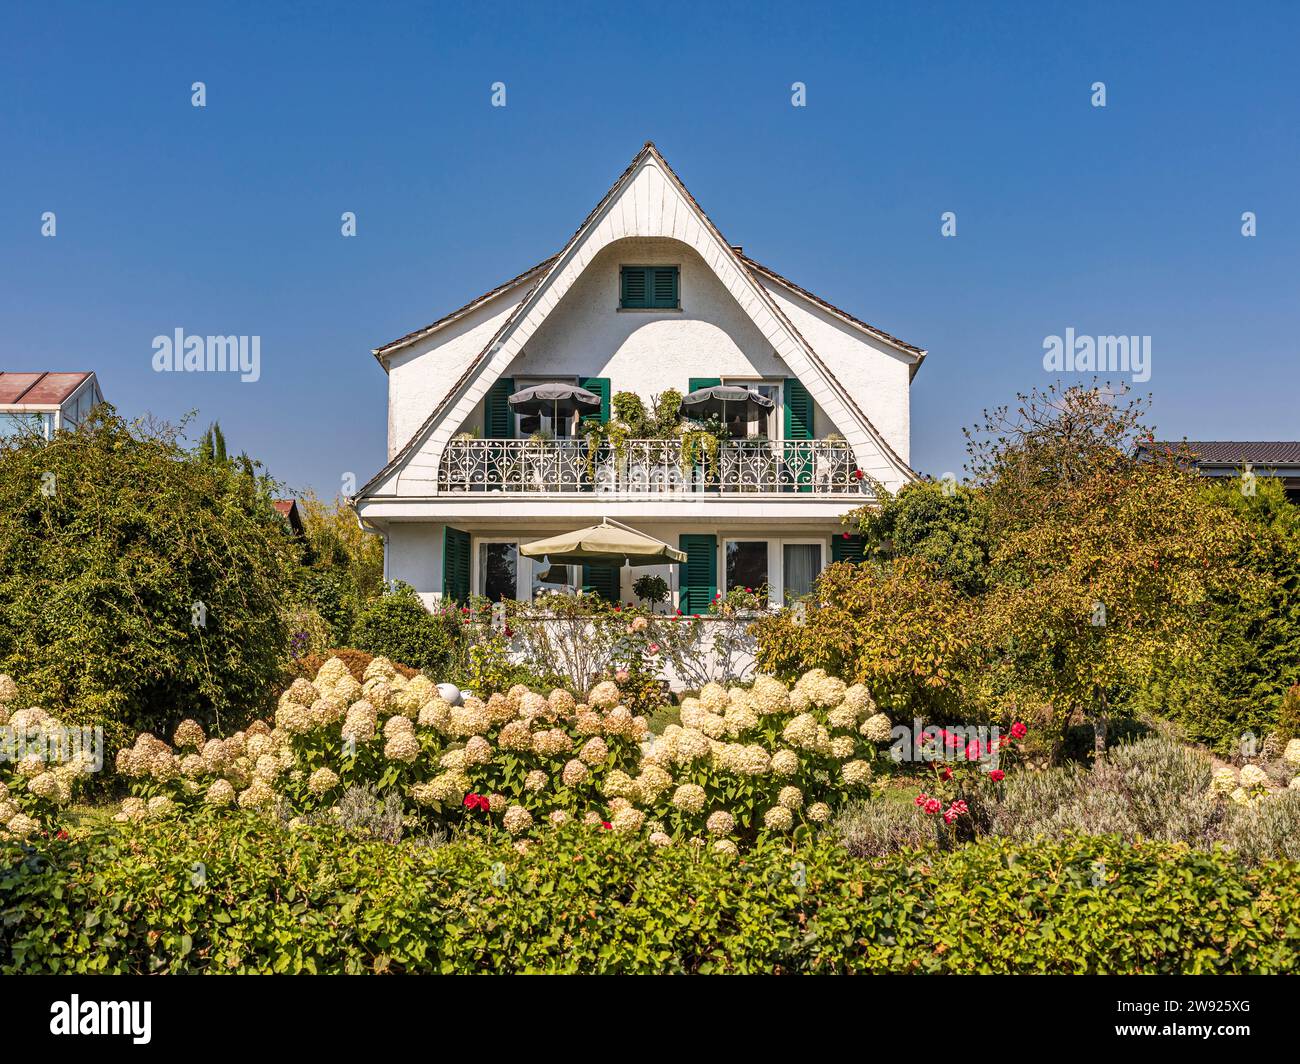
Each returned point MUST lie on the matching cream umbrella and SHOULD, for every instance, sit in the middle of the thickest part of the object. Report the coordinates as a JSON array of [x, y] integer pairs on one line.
[[608, 543]]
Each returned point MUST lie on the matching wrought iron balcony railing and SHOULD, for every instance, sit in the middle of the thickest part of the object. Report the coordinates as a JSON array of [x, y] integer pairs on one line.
[[651, 467]]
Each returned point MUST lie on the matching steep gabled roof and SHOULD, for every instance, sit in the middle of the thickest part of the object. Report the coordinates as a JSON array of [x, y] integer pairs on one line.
[[381, 353], [732, 269], [843, 315]]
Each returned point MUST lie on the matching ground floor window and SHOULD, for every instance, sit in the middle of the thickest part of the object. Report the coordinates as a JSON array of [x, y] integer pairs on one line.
[[747, 564], [498, 570], [787, 568], [800, 565]]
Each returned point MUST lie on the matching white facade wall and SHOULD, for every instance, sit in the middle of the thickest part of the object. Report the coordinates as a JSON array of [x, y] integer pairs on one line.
[[648, 351], [415, 549], [420, 376], [877, 376]]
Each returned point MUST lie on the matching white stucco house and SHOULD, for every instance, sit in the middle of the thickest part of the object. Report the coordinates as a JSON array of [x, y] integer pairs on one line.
[[646, 296]]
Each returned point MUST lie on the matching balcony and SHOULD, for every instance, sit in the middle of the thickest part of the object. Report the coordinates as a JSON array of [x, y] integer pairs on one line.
[[651, 467]]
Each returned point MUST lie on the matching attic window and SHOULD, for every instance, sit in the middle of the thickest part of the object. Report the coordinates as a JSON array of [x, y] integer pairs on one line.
[[648, 288]]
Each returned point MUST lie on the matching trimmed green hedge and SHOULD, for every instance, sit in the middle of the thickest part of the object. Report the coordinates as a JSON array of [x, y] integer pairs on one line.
[[242, 896]]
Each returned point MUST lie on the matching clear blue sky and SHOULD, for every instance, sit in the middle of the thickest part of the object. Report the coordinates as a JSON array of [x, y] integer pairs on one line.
[[1122, 220]]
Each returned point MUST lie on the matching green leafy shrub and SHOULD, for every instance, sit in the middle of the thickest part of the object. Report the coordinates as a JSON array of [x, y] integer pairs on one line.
[[397, 626], [1288, 715], [902, 630], [946, 525], [154, 900], [138, 585]]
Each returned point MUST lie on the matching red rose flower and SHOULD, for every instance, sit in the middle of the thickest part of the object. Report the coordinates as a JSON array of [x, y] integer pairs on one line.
[[933, 806], [997, 775], [922, 798], [1018, 730], [606, 825]]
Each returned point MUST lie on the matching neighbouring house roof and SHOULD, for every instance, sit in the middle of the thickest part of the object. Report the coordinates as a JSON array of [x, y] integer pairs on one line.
[[539, 274], [39, 389], [288, 509], [1234, 453]]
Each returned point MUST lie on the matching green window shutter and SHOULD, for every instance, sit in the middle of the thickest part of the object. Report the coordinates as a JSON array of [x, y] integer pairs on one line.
[[602, 580], [798, 415], [599, 385], [699, 574], [847, 548], [649, 287], [663, 287], [455, 565], [798, 411], [633, 289], [498, 418], [696, 383]]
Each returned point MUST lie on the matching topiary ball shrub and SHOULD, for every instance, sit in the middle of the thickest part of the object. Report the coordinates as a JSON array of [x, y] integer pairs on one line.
[[397, 626]]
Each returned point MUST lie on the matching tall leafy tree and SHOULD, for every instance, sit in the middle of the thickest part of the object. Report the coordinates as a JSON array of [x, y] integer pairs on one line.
[[947, 524], [139, 586], [1103, 562]]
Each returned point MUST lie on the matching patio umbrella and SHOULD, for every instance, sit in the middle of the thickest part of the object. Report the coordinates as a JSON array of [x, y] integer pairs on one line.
[[554, 398], [608, 543], [724, 400]]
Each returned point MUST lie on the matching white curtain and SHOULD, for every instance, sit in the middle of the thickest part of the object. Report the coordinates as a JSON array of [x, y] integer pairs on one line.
[[800, 569]]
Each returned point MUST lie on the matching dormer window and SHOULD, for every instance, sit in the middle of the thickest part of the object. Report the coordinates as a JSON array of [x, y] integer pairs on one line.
[[648, 288]]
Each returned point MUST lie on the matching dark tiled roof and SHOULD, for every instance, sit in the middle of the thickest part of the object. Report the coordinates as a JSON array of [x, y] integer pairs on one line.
[[39, 389], [411, 337], [1234, 452]]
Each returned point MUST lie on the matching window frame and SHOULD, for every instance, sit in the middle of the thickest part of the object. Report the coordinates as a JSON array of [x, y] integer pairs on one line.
[[477, 576], [520, 383], [525, 567], [775, 416], [650, 306], [775, 560], [823, 551]]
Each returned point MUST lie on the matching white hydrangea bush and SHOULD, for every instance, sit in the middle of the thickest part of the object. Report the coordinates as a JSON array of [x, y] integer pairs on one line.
[[37, 781], [518, 748], [767, 757]]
